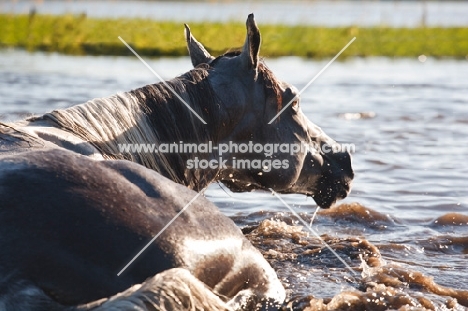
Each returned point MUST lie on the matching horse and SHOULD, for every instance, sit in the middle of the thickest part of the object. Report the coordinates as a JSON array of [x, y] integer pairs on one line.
[[94, 201]]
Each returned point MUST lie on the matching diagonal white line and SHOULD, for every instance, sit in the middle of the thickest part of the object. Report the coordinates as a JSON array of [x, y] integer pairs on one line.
[[162, 80], [313, 216], [313, 231], [161, 231], [313, 79]]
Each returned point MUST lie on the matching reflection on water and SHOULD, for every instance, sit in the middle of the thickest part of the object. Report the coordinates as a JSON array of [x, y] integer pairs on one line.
[[404, 227]]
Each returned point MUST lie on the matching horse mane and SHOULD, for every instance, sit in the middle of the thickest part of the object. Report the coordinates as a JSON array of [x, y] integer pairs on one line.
[[149, 115]]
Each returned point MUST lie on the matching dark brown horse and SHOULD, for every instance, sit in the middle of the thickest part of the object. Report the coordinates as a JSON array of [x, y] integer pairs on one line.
[[69, 221]]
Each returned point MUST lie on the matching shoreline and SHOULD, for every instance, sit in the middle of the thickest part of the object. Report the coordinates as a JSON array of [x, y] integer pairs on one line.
[[80, 35]]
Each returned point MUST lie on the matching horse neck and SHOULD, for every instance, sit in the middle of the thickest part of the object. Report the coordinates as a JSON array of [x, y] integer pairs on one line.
[[149, 116]]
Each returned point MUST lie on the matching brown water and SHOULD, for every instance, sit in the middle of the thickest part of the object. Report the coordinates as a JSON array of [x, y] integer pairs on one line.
[[425, 271], [404, 228]]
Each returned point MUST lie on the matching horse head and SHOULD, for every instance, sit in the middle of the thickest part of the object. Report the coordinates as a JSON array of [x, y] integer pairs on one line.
[[250, 96]]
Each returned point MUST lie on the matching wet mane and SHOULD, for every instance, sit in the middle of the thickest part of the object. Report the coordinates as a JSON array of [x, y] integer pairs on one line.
[[148, 115]]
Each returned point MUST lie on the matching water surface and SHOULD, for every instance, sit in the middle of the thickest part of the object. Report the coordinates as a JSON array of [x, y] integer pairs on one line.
[[406, 220], [324, 13]]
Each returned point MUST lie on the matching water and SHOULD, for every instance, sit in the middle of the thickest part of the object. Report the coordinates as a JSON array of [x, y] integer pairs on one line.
[[407, 216], [326, 13]]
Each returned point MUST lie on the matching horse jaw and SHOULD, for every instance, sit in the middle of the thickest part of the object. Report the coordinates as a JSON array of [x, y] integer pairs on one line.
[[327, 181]]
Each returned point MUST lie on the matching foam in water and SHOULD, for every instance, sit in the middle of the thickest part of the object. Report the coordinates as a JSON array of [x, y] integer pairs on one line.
[[316, 282]]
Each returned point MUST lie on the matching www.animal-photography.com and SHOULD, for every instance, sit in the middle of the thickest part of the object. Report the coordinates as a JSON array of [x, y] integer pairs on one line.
[[233, 155]]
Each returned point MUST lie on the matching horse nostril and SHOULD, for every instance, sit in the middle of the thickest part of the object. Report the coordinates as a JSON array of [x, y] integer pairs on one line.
[[343, 193]]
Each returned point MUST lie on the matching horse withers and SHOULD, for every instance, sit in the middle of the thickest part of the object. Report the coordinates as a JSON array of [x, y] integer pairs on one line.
[[70, 221]]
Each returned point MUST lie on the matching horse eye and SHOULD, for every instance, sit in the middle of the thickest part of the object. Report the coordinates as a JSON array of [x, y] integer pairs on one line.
[[295, 104]]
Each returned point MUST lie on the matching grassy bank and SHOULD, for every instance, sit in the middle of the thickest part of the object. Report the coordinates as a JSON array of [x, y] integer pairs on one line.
[[81, 35]]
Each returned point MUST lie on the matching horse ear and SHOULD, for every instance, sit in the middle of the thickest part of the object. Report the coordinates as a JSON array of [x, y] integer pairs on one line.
[[198, 53], [252, 44]]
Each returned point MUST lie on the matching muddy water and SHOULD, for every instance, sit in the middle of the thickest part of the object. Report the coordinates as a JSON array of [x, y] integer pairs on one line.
[[403, 231], [425, 271]]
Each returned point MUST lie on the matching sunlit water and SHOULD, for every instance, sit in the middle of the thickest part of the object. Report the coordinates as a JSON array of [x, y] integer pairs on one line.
[[327, 13], [407, 216]]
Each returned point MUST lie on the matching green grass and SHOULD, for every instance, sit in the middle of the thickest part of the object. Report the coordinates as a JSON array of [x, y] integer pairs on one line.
[[82, 36]]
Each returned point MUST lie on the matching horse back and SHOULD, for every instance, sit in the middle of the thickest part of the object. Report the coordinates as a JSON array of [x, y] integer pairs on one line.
[[69, 224]]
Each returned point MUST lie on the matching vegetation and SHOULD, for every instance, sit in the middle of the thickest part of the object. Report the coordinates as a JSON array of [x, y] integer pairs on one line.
[[80, 35]]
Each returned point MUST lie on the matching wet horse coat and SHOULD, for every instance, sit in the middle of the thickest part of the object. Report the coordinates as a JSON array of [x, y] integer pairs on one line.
[[69, 223], [72, 251]]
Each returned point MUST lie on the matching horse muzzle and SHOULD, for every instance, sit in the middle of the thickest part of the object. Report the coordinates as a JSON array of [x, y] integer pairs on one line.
[[335, 182]]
